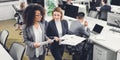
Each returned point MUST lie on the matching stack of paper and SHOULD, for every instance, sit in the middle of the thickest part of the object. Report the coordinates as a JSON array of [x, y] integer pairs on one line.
[[71, 40]]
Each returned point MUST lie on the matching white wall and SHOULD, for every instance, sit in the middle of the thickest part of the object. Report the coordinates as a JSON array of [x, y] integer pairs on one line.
[[6, 10]]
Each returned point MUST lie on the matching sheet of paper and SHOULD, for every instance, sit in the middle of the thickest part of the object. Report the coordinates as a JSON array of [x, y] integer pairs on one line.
[[71, 40]]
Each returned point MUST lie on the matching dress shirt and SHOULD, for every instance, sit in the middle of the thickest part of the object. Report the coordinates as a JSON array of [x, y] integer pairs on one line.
[[38, 38], [59, 27]]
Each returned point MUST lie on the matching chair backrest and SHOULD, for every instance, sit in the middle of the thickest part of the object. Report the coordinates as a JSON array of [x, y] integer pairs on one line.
[[17, 51], [3, 37], [15, 8], [103, 15], [93, 14]]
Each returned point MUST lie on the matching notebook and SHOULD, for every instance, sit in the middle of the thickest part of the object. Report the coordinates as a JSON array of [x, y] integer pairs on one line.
[[97, 29]]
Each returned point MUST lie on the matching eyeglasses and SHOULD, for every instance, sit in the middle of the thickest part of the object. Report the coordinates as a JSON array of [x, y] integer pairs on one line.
[[39, 15]]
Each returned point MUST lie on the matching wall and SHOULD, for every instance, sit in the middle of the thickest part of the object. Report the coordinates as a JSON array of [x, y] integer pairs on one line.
[[6, 10]]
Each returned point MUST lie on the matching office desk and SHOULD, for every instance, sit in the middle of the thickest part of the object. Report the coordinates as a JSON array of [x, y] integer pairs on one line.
[[4, 55], [108, 41], [118, 55], [115, 9]]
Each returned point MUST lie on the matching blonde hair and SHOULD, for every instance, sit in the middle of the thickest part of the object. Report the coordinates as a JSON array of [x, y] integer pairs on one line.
[[58, 9]]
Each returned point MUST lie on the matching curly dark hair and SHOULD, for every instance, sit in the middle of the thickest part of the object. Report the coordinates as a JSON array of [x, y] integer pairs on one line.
[[29, 14]]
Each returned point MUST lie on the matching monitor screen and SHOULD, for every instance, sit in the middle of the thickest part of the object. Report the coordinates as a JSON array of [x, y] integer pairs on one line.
[[113, 19], [97, 28], [115, 2], [7, 0], [71, 11]]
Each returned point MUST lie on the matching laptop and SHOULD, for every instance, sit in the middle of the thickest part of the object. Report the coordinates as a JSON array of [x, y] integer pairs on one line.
[[97, 29]]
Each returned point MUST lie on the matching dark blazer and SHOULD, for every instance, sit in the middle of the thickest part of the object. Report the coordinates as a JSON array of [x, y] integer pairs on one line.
[[29, 38], [52, 30], [105, 8]]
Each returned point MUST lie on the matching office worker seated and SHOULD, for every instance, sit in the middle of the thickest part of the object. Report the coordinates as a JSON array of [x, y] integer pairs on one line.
[[34, 32], [79, 28], [103, 10], [94, 4], [105, 7], [57, 27]]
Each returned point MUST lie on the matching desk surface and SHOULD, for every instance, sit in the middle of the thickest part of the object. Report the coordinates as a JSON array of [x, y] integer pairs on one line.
[[4, 55], [115, 9], [108, 39]]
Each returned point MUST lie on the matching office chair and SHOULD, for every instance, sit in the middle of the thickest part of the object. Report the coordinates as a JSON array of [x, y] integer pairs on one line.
[[93, 14], [17, 51], [18, 18], [103, 15], [3, 37]]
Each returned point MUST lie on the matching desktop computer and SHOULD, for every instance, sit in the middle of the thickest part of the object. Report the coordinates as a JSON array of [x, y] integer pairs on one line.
[[71, 11]]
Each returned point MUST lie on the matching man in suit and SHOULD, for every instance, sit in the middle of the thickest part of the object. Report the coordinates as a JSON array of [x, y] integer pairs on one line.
[[104, 10], [105, 7], [94, 4]]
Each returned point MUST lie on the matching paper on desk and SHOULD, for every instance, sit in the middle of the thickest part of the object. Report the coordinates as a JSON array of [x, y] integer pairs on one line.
[[71, 40]]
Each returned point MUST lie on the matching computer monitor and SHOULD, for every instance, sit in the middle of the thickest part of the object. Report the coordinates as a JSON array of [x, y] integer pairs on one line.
[[7, 0], [115, 2], [113, 19], [71, 11]]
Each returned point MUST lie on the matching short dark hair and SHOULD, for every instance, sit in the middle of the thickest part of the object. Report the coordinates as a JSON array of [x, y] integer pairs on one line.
[[80, 15], [29, 14], [105, 1]]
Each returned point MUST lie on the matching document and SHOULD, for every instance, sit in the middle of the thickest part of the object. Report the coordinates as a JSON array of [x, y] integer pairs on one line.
[[71, 40]]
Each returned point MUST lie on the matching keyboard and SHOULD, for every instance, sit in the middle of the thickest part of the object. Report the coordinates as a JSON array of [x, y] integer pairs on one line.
[[115, 30]]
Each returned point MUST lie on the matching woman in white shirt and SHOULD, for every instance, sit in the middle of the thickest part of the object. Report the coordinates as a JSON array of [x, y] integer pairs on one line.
[[34, 32]]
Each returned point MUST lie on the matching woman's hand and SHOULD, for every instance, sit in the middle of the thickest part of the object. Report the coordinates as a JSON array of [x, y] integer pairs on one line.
[[56, 39], [36, 45], [50, 41]]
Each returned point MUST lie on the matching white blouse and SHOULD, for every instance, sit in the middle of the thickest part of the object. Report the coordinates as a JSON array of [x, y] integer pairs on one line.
[[38, 38], [59, 27]]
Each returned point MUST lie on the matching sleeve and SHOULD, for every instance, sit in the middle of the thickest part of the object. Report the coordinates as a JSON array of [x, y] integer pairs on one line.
[[71, 27], [49, 31], [86, 32], [67, 29], [26, 39]]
